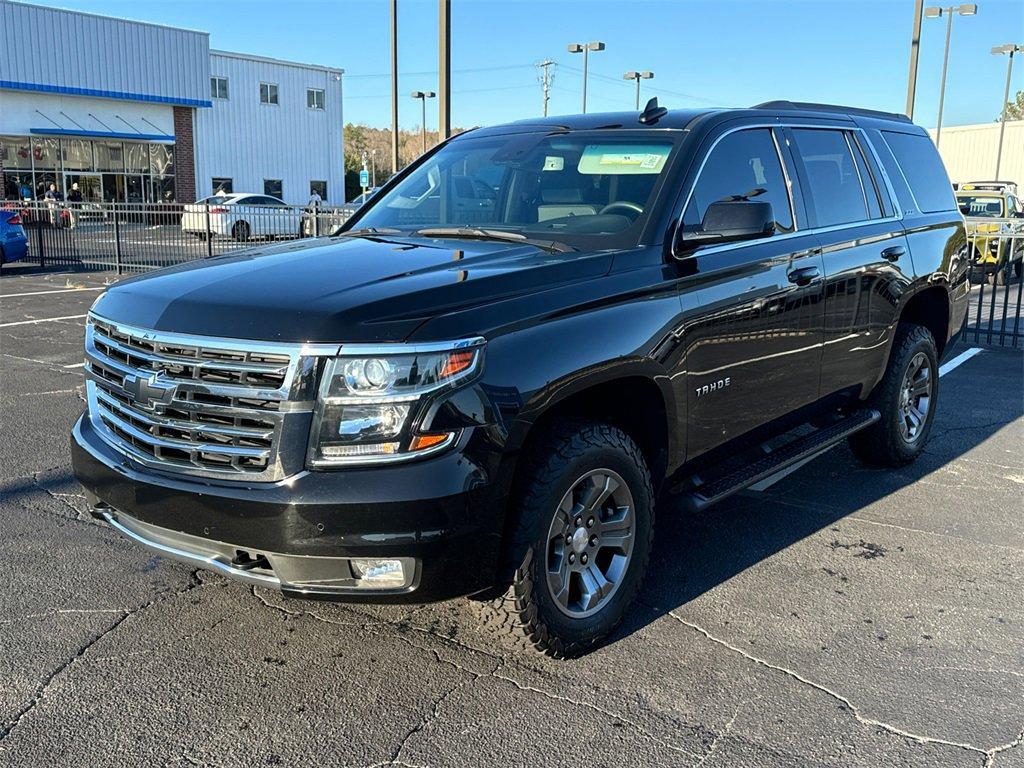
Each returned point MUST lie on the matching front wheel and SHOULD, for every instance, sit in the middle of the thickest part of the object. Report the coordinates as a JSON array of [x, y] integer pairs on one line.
[[906, 397], [584, 521]]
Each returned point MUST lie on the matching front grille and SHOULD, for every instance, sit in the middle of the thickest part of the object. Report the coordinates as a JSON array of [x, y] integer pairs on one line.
[[201, 405]]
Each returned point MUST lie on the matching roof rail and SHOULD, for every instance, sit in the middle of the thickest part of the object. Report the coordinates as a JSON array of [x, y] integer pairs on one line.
[[810, 106]]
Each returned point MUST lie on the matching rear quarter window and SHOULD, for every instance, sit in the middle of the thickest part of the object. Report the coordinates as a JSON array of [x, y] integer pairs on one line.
[[922, 167]]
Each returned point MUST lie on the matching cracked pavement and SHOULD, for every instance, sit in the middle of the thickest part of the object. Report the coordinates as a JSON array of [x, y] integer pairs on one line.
[[845, 616]]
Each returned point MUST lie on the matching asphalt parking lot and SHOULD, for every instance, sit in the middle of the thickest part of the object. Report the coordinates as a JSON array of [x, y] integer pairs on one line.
[[844, 616]]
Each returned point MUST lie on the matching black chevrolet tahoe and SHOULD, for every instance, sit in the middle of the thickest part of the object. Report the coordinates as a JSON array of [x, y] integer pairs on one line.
[[480, 385]]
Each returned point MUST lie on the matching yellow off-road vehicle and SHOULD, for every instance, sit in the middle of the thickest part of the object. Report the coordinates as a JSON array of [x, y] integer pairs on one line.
[[998, 246]]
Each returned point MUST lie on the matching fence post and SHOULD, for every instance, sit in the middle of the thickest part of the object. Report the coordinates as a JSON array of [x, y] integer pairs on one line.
[[209, 234], [117, 240], [316, 221], [42, 244]]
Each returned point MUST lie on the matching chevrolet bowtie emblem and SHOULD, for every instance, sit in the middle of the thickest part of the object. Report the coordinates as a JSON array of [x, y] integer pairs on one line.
[[148, 392]]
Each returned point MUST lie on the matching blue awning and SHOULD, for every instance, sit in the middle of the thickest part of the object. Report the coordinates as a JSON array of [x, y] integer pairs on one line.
[[101, 134]]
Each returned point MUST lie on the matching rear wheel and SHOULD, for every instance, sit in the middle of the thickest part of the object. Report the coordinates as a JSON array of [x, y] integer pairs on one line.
[[584, 521], [241, 231], [906, 397]]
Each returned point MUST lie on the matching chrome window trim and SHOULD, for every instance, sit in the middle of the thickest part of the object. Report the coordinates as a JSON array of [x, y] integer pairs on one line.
[[786, 178], [860, 178], [778, 125]]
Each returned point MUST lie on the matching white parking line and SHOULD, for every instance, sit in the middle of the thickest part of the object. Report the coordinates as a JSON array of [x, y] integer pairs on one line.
[[44, 293], [42, 320], [74, 365], [960, 359]]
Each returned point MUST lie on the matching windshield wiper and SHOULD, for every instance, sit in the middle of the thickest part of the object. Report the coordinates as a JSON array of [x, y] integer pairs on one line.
[[494, 234], [369, 232]]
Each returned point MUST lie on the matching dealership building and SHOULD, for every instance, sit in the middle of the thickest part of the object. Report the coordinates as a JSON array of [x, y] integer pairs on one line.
[[137, 112]]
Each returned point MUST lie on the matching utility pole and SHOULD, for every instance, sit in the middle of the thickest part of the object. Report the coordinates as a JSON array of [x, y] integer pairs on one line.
[[394, 86], [915, 51], [1011, 49], [546, 79], [444, 70]]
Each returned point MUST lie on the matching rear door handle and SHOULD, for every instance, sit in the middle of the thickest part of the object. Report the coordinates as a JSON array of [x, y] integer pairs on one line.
[[803, 275], [894, 252]]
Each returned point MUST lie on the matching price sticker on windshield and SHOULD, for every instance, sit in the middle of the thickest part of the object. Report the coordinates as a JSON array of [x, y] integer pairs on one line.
[[623, 159]]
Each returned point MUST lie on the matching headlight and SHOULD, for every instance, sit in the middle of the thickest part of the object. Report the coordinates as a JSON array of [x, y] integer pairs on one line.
[[370, 397]]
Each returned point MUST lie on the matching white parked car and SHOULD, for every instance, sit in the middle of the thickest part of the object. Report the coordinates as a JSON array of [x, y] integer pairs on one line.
[[243, 216]]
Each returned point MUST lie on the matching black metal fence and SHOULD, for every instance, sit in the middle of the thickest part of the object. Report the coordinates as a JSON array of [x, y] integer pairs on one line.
[[996, 250], [134, 237]]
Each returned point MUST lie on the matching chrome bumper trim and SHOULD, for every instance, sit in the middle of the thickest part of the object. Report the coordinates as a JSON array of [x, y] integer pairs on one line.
[[302, 574]]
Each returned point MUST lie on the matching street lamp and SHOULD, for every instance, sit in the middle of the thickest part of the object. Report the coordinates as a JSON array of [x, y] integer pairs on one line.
[[638, 76], [934, 12], [585, 49], [423, 96], [1010, 49]]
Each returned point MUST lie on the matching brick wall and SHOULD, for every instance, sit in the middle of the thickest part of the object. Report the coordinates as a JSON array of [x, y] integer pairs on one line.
[[184, 156]]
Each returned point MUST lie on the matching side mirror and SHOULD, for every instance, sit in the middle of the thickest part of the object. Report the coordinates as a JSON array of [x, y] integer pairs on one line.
[[730, 221]]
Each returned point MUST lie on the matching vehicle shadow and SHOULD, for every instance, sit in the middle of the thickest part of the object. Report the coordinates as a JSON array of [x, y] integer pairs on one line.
[[693, 553]]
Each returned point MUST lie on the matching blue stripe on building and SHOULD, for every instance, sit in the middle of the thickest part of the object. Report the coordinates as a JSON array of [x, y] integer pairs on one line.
[[121, 95]]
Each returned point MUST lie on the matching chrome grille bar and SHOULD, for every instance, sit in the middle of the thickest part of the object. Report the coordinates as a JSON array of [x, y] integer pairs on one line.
[[220, 408]]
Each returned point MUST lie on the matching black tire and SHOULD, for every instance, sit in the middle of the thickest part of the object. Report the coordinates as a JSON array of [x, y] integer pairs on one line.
[[241, 231], [528, 612], [885, 443]]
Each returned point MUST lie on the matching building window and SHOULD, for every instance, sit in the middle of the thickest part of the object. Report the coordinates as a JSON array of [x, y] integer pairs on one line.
[[268, 93], [318, 188], [273, 188], [314, 98], [222, 186], [218, 87]]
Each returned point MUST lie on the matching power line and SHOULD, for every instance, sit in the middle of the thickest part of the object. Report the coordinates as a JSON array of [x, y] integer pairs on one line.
[[434, 71]]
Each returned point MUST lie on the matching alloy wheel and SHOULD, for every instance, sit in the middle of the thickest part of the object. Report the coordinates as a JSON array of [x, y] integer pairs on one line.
[[915, 397], [590, 542]]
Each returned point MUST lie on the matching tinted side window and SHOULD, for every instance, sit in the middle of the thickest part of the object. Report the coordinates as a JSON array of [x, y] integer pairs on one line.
[[744, 163], [869, 183], [836, 194], [923, 168]]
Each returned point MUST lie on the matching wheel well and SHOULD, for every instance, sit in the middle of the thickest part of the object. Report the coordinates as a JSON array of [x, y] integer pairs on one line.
[[930, 308], [633, 404]]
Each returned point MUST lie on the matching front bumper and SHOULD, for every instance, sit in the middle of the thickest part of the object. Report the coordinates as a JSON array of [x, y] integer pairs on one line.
[[437, 516]]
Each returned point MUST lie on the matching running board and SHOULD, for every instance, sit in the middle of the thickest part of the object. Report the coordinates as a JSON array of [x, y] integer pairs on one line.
[[802, 449]]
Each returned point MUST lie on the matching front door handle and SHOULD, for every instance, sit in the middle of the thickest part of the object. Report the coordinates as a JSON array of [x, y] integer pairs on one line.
[[803, 275], [894, 252]]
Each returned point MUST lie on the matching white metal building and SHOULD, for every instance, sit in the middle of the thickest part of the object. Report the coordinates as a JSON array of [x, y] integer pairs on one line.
[[140, 112], [275, 127], [969, 152]]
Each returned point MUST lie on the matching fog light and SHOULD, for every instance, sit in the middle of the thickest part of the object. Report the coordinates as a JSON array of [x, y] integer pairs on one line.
[[383, 572]]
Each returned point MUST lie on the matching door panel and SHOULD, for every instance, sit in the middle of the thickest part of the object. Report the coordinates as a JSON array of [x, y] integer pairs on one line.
[[755, 352], [866, 269]]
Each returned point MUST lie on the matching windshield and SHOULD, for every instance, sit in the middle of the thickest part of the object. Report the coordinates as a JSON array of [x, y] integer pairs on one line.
[[581, 189], [978, 205]]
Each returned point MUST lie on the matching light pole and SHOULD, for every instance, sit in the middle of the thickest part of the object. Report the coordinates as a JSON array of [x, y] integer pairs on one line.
[[1011, 49], [915, 50], [585, 49], [423, 96], [638, 76], [394, 86], [934, 12], [373, 167]]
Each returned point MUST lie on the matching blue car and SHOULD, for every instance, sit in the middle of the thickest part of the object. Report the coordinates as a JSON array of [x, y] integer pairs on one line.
[[13, 242]]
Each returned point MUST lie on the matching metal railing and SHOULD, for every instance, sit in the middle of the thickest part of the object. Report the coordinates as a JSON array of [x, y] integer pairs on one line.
[[135, 237], [995, 248]]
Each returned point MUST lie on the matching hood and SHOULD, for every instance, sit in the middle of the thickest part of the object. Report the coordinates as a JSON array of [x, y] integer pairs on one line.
[[339, 290]]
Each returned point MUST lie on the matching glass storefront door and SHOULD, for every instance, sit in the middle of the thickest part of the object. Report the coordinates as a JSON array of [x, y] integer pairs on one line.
[[136, 189], [113, 187], [89, 185]]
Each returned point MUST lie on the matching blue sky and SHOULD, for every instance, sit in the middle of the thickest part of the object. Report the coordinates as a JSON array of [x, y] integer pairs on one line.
[[722, 52]]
